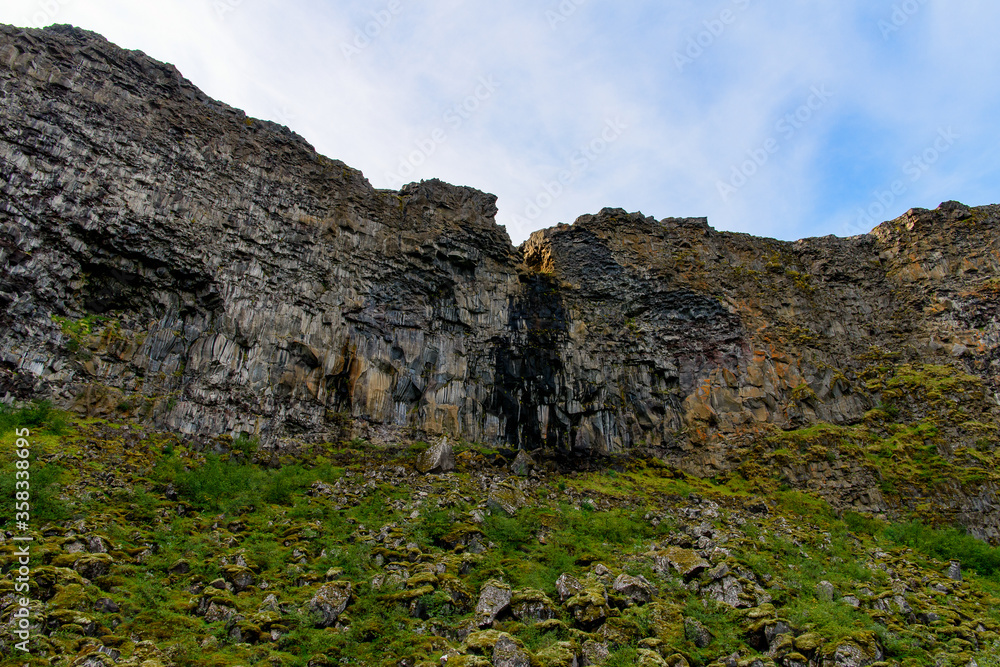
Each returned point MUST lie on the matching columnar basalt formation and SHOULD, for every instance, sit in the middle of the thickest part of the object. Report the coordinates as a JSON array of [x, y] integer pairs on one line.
[[166, 256]]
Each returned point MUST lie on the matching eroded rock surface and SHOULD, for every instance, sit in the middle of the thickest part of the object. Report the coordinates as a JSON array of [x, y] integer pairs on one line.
[[162, 255]]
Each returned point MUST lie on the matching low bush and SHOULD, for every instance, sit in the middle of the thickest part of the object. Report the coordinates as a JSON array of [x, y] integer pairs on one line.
[[948, 544]]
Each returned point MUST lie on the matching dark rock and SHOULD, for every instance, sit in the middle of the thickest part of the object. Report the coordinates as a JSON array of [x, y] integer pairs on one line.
[[696, 633]]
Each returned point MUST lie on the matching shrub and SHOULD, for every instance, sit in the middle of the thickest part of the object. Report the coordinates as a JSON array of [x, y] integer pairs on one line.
[[32, 415], [45, 487], [948, 544]]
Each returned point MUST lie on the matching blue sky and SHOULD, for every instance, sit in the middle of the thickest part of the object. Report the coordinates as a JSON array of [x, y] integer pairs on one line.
[[788, 119]]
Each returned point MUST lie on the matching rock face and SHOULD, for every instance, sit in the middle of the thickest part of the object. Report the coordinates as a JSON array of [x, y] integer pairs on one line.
[[165, 256]]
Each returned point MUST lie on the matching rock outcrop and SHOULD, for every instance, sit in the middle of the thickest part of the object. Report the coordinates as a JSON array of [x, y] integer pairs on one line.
[[165, 256]]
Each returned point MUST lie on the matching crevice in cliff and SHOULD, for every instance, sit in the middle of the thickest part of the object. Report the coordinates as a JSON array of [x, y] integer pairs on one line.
[[529, 367]]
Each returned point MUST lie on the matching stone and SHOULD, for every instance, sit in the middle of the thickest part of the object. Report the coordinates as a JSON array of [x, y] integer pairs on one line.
[[532, 606], [507, 653], [329, 602], [685, 562], [825, 591], [594, 653], [696, 633], [180, 566], [438, 458], [567, 586], [648, 658], [523, 464], [560, 654], [494, 599], [505, 498], [589, 607], [636, 589], [954, 571]]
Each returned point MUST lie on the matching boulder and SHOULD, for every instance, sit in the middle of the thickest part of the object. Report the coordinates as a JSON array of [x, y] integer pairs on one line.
[[567, 586], [685, 562], [636, 589], [696, 633], [494, 599], [507, 653], [439, 458], [532, 606], [329, 603], [825, 591], [506, 499], [523, 464]]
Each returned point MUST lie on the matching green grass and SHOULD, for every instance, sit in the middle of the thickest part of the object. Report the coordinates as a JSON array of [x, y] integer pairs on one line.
[[229, 484], [31, 416], [948, 544]]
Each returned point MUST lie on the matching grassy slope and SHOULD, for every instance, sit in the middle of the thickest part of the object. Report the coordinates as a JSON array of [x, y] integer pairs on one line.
[[171, 522]]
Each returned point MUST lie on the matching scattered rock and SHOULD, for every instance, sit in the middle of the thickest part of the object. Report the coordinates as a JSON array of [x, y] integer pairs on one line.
[[523, 464], [532, 606], [825, 591], [594, 653]]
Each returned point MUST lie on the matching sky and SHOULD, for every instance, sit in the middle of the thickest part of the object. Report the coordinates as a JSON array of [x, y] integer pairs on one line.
[[783, 119]]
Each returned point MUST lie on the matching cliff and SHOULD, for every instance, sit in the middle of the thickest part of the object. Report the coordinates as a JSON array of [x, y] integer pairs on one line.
[[167, 258]]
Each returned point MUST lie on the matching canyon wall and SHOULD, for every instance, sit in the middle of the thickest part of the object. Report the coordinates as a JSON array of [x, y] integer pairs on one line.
[[167, 257]]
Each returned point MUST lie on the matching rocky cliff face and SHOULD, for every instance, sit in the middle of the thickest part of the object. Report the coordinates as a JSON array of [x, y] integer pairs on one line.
[[165, 256]]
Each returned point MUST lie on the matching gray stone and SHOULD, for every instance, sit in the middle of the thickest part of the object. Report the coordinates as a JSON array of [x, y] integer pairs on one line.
[[505, 498], [506, 653], [594, 653], [954, 571], [825, 591], [637, 589], [329, 603], [696, 633], [531, 606], [567, 586], [438, 458], [494, 599], [523, 464]]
